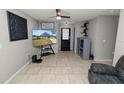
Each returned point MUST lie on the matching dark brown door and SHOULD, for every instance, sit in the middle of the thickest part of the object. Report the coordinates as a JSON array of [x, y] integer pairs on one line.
[[65, 39]]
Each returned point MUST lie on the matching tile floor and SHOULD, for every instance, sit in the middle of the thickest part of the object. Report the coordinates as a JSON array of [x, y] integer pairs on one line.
[[62, 68]]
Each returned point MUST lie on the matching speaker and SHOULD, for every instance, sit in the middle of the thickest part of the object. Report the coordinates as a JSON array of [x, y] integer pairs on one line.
[[35, 60]]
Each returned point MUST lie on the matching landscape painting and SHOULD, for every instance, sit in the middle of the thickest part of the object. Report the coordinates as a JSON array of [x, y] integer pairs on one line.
[[43, 36]]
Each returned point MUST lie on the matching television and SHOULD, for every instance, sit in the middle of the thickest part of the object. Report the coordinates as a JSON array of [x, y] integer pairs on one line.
[[43, 36], [17, 27]]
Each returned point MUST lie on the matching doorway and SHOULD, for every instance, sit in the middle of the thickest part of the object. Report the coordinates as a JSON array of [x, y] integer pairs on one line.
[[65, 39]]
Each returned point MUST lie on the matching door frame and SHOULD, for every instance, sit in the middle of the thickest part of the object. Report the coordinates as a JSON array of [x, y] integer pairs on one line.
[[69, 38]]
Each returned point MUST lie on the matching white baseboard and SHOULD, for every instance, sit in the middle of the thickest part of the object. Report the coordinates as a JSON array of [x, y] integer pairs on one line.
[[103, 60], [7, 81]]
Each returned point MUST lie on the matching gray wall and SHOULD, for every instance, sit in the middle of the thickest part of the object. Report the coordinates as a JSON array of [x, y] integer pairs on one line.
[[13, 55], [119, 47], [92, 28], [102, 32], [77, 33]]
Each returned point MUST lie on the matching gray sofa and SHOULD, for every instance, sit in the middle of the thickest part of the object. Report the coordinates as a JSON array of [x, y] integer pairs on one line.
[[105, 74]]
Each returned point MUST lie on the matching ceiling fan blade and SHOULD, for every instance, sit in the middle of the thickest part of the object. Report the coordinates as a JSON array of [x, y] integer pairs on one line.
[[65, 16]]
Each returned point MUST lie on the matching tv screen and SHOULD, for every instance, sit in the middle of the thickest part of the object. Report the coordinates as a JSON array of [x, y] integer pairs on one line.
[[17, 27], [43, 36]]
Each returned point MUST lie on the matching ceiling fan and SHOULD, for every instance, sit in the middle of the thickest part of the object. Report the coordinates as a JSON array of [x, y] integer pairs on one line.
[[58, 15]]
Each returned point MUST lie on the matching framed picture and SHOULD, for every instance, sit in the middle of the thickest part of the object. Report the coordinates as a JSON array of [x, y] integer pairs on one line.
[[17, 27], [47, 25]]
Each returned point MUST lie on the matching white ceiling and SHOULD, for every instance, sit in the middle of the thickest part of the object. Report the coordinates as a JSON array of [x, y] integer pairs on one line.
[[76, 14]]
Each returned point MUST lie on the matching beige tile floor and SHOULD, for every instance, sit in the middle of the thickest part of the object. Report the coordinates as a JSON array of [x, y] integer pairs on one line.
[[62, 68]]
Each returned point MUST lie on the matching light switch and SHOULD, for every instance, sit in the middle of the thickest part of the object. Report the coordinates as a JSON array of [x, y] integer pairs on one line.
[[0, 45], [113, 53], [104, 41]]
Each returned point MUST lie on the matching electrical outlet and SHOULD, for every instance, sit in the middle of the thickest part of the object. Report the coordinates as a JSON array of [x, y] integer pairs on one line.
[[28, 58]]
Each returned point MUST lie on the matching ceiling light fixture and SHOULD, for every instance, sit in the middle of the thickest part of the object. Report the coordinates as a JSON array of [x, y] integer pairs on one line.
[[58, 18], [66, 23]]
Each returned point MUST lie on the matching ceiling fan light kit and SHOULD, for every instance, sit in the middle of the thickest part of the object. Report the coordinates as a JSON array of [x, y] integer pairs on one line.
[[58, 18], [58, 15]]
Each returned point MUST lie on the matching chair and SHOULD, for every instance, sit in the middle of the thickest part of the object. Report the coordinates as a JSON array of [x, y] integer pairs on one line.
[[105, 74]]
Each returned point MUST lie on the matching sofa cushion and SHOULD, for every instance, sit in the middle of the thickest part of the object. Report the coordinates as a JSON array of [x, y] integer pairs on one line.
[[95, 78], [121, 74], [103, 69]]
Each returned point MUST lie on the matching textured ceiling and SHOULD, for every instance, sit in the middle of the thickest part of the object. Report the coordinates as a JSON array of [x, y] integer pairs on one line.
[[76, 14]]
